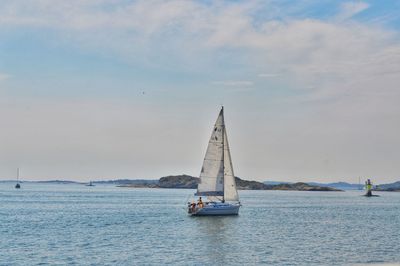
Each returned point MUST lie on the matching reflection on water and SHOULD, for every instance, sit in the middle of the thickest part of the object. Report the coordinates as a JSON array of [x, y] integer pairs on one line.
[[215, 232], [71, 224]]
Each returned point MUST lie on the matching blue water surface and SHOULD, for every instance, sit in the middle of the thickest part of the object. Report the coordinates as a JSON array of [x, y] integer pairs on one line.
[[53, 224]]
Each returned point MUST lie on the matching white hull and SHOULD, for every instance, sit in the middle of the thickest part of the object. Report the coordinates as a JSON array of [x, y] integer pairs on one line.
[[215, 209]]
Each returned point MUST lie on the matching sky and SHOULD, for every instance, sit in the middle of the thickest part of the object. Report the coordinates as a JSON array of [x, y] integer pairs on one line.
[[106, 89]]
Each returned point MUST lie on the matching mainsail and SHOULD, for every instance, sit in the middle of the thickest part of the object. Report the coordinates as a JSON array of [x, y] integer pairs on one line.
[[212, 172], [217, 177]]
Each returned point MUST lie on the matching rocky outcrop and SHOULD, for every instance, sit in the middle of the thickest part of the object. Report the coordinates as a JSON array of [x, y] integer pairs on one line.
[[392, 187], [178, 181], [300, 186], [251, 185]]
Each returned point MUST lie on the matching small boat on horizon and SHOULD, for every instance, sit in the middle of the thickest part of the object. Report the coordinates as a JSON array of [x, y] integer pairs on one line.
[[18, 185], [217, 180], [90, 184]]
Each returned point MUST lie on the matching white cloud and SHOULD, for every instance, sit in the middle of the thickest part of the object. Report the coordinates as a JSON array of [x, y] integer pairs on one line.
[[350, 9], [268, 75], [234, 83], [4, 76], [193, 33]]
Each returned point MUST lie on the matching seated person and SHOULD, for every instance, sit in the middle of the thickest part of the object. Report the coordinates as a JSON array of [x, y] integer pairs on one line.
[[200, 203]]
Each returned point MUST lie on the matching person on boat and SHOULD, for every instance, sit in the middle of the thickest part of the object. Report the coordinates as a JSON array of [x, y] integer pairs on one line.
[[200, 203], [193, 206]]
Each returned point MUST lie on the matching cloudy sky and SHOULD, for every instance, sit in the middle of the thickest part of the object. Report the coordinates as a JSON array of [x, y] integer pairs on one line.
[[101, 89]]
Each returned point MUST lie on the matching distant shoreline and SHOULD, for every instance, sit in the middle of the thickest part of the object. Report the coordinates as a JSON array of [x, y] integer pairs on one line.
[[190, 182]]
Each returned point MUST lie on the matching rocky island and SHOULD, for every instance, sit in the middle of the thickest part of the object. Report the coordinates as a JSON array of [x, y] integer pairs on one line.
[[392, 187], [190, 182]]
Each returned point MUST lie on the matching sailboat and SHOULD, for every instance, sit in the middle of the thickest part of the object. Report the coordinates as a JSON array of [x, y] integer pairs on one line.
[[90, 184], [17, 185], [217, 180]]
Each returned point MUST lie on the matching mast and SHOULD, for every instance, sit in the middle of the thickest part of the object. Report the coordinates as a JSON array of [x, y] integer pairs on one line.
[[223, 154], [17, 185]]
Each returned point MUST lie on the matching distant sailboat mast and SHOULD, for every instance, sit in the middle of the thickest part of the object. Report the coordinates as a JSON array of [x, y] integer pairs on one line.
[[18, 185]]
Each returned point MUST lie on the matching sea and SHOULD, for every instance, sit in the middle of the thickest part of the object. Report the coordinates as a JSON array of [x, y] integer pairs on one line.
[[71, 224]]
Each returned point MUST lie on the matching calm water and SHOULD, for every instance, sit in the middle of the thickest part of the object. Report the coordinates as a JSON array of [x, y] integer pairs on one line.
[[78, 225]]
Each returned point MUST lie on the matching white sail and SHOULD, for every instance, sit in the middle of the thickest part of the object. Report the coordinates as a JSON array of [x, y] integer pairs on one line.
[[230, 191], [212, 172]]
